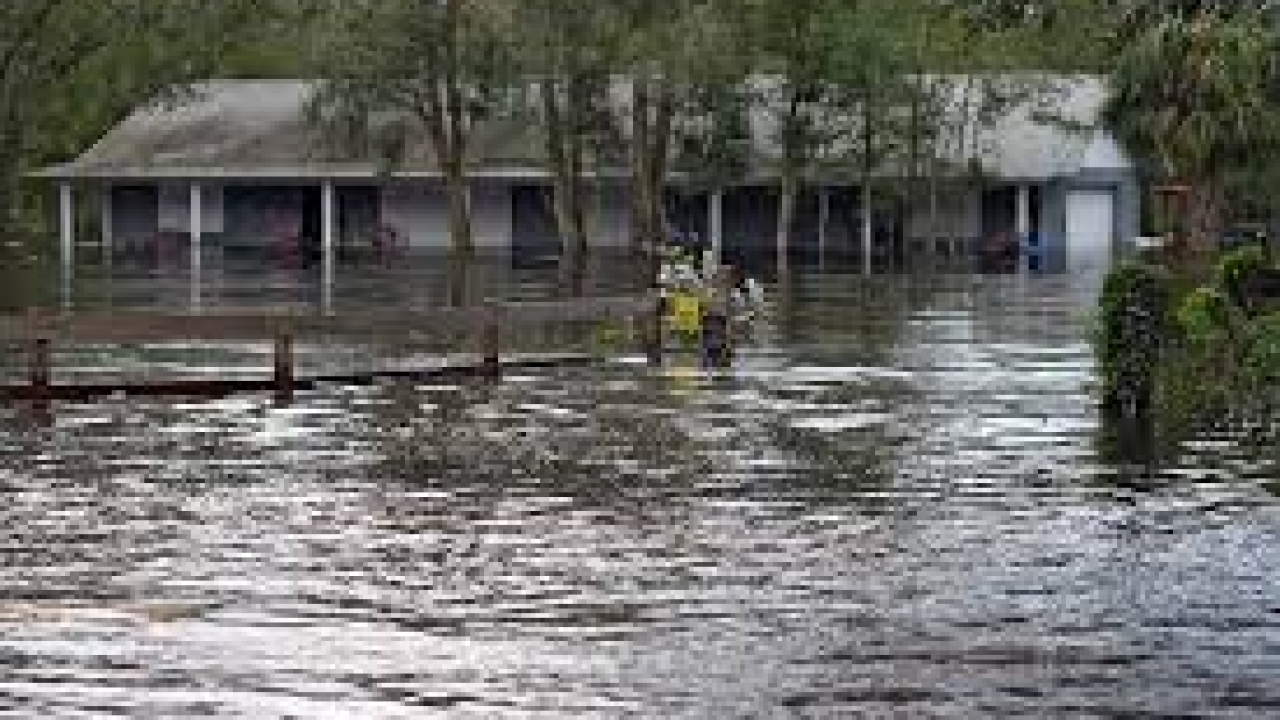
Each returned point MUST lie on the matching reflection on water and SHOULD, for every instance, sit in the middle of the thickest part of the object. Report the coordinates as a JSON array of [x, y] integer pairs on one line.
[[895, 506]]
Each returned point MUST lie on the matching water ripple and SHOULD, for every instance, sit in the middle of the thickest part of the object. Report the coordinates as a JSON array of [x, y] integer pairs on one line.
[[895, 506]]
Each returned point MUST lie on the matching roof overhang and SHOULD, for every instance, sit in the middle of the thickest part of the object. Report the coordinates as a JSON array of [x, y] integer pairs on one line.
[[68, 173], [364, 174]]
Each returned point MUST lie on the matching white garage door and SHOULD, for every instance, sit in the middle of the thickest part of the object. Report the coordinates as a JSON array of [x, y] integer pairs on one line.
[[1091, 217]]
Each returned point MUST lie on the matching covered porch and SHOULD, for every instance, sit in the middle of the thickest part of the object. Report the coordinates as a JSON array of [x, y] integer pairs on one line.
[[186, 227], [320, 223]]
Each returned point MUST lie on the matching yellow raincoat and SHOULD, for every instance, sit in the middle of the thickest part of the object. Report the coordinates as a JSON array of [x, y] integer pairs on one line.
[[686, 314]]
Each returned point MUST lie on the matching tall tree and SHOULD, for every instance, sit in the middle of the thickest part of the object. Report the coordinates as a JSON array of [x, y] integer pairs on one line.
[[433, 68], [69, 68], [713, 140], [568, 50], [797, 42], [668, 49], [1196, 95]]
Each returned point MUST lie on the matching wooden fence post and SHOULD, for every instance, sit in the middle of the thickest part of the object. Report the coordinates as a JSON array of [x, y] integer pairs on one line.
[[491, 341], [651, 325], [40, 359], [282, 377]]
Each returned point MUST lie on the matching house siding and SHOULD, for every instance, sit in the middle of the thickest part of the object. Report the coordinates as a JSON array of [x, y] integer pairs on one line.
[[491, 208], [1054, 225], [609, 220], [1128, 201], [959, 215], [134, 213], [174, 212], [1127, 194], [420, 213]]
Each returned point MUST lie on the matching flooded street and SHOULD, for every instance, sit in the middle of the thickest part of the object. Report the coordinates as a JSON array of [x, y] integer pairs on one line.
[[895, 505]]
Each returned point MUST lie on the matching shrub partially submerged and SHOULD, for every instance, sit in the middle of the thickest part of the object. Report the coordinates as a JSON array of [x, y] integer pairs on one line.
[[1135, 321], [1239, 272], [1199, 358]]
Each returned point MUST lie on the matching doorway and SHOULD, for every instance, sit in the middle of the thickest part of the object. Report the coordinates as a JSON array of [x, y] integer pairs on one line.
[[1091, 216]]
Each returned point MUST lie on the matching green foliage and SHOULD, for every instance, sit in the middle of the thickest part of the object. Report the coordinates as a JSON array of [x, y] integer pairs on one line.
[[1201, 346], [1262, 361], [713, 145], [75, 67], [1215, 366], [1194, 98], [1237, 270], [1135, 321], [610, 338], [69, 69], [1206, 317], [1225, 379], [406, 69]]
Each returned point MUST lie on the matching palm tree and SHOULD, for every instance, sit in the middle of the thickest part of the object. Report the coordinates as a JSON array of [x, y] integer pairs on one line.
[[1195, 95]]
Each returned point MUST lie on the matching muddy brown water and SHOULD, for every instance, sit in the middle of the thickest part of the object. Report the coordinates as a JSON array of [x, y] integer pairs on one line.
[[895, 505]]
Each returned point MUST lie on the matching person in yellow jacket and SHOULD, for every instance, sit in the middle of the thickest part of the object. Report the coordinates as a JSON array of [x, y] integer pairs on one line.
[[686, 313]]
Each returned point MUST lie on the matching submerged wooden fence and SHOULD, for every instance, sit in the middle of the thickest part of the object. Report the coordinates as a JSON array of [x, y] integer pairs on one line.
[[485, 328]]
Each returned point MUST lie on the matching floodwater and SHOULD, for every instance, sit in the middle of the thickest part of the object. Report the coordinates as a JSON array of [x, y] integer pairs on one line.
[[895, 506]]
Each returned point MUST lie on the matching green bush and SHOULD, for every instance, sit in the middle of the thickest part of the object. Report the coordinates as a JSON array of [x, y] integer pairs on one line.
[[1206, 316], [1238, 269], [1223, 370], [1262, 360], [1183, 359], [1134, 330], [1199, 371]]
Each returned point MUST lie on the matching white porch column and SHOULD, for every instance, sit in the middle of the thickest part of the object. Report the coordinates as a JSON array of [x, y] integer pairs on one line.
[[1023, 225], [715, 226], [67, 237], [108, 220], [824, 219], [328, 235], [868, 230], [1023, 213], [196, 208]]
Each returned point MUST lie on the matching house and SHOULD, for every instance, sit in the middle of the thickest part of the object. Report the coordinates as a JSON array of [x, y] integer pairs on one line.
[[241, 164]]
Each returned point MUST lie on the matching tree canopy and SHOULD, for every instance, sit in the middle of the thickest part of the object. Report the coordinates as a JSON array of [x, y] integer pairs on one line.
[[71, 68], [1195, 94], [845, 78]]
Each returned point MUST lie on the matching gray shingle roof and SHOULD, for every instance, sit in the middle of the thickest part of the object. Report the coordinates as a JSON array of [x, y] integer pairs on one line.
[[1054, 137], [260, 129]]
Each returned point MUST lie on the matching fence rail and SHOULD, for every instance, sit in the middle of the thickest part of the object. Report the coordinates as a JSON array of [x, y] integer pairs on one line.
[[112, 328], [486, 327]]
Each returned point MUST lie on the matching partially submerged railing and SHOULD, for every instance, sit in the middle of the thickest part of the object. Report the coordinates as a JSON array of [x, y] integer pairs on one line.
[[485, 328]]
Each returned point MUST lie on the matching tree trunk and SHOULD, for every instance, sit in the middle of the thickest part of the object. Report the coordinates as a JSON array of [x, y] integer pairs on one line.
[[456, 169], [562, 112], [445, 117], [572, 272], [459, 194], [9, 174], [788, 192], [660, 151], [789, 180], [653, 119], [935, 231], [868, 167], [8, 202], [1204, 218], [557, 155], [868, 225], [458, 283], [642, 234], [912, 186], [577, 198], [578, 101]]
